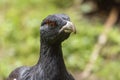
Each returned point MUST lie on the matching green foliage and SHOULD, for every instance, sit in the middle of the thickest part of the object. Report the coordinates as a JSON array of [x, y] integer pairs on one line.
[[63, 3], [110, 71], [19, 38]]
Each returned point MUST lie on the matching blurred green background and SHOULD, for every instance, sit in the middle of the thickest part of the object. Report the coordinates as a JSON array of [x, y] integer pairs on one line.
[[20, 42]]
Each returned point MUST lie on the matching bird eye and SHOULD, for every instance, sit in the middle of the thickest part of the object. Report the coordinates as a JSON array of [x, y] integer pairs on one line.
[[51, 23]]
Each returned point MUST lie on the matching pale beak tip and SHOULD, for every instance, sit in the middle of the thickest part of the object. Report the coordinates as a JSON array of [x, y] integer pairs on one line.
[[74, 30]]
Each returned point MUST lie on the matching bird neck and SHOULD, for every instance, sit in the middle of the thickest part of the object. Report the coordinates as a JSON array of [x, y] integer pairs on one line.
[[51, 58]]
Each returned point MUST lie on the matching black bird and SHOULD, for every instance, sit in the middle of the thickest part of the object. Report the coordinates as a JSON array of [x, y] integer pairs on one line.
[[53, 31]]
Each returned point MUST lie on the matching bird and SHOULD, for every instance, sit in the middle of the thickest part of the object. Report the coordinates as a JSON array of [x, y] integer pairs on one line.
[[54, 29]]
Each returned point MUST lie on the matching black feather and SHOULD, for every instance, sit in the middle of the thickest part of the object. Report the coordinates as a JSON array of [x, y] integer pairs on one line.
[[50, 65]]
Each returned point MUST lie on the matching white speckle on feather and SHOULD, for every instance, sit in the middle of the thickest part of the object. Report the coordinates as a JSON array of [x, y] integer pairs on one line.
[[14, 79]]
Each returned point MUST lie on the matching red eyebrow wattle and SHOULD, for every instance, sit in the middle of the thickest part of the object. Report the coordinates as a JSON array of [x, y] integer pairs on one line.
[[51, 23]]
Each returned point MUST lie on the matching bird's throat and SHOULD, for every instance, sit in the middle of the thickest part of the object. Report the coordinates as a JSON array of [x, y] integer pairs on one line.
[[51, 59]]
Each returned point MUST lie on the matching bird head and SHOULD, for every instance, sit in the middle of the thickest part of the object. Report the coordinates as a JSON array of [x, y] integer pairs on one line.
[[56, 28]]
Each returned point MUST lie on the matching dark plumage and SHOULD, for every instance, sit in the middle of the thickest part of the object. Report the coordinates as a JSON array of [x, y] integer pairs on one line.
[[54, 29]]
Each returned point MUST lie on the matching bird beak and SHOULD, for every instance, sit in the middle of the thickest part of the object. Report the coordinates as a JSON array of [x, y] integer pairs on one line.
[[68, 28]]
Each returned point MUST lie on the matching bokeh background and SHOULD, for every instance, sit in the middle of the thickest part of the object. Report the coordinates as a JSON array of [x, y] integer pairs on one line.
[[20, 42]]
